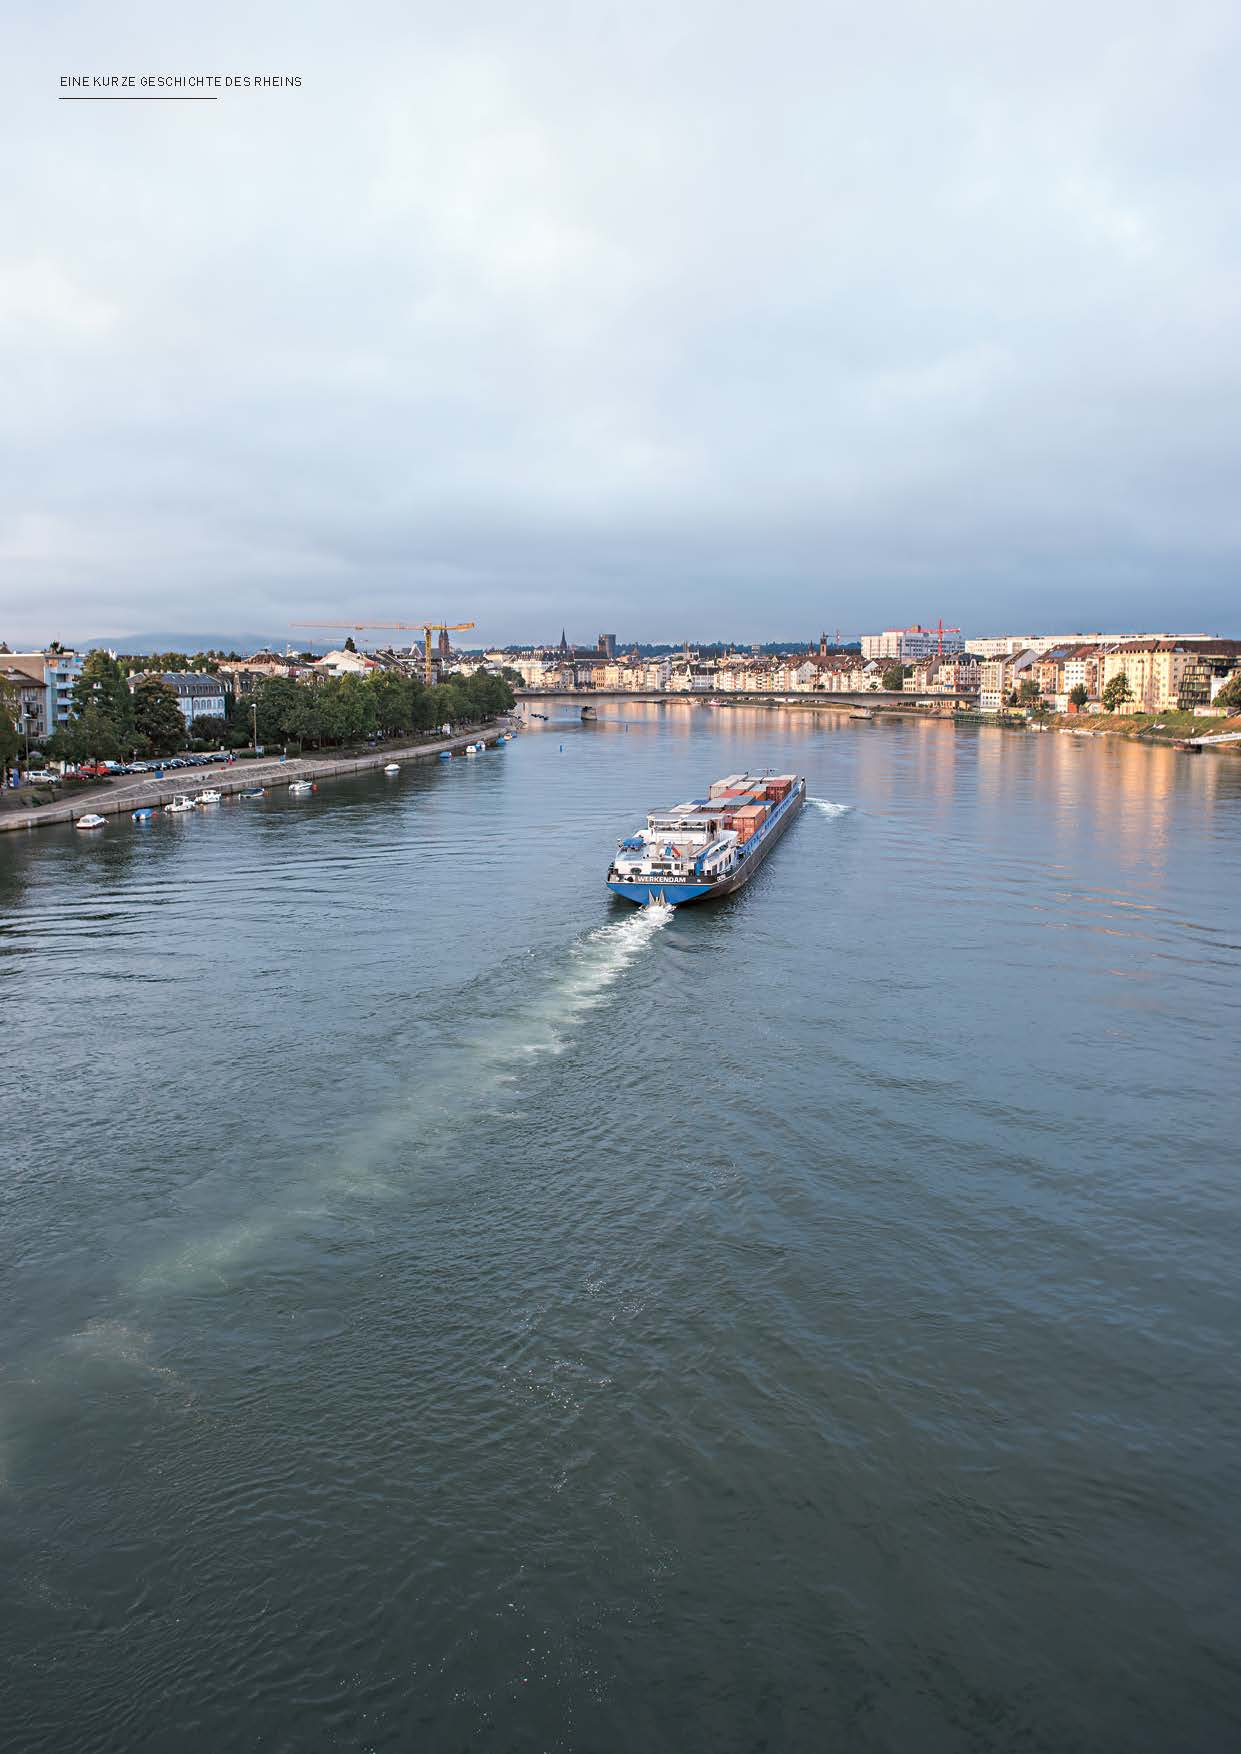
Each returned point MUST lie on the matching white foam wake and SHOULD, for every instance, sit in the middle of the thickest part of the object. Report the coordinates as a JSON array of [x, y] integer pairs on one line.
[[828, 808], [445, 1098], [595, 962]]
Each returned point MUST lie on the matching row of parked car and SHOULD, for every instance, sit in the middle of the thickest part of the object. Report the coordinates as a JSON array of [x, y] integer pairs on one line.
[[108, 770]]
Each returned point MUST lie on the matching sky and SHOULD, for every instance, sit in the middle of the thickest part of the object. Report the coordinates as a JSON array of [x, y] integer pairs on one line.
[[669, 319]]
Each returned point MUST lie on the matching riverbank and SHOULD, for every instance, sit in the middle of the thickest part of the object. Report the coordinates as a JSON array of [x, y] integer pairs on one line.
[[144, 790], [1166, 728]]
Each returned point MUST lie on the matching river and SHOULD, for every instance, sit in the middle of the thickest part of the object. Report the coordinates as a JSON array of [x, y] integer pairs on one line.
[[445, 1309]]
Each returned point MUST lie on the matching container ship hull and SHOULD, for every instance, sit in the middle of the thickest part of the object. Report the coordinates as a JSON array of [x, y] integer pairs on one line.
[[709, 847]]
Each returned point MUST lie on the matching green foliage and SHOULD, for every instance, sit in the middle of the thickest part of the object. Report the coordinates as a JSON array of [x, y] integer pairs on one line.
[[10, 736], [209, 728], [1117, 693], [894, 677], [1228, 700], [102, 703], [1078, 696], [1029, 693], [157, 716], [90, 736], [336, 710]]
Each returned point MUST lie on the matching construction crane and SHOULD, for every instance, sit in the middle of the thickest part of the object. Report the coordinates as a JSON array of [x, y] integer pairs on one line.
[[941, 630], [425, 628]]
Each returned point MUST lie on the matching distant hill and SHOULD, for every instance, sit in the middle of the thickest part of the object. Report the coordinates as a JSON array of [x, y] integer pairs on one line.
[[196, 642]]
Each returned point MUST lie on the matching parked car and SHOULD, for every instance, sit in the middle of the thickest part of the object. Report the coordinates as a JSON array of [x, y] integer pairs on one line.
[[42, 776]]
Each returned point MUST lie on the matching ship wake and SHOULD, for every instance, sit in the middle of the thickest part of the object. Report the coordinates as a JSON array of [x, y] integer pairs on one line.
[[473, 1079]]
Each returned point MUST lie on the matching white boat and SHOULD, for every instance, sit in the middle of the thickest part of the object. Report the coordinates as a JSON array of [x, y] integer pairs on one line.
[[91, 820], [300, 788], [475, 748], [210, 797], [179, 804], [393, 767]]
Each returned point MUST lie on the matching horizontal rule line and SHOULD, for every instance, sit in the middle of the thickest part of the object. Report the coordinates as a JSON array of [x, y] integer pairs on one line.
[[141, 97]]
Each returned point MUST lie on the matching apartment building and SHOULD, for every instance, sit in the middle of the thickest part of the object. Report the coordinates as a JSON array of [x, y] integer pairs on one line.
[[199, 694], [56, 671], [906, 645], [26, 698]]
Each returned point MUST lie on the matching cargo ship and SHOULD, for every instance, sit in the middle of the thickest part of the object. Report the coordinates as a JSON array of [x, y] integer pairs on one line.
[[708, 846]]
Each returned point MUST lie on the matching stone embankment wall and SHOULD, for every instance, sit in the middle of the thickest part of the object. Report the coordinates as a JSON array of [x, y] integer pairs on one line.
[[133, 791]]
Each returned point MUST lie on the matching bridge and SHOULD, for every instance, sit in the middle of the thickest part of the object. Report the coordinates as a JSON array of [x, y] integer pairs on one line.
[[765, 697]]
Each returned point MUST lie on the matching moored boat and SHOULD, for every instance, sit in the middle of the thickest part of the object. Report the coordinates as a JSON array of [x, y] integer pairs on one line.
[[210, 796], [709, 846], [180, 804], [392, 767], [300, 788], [144, 814], [255, 792], [92, 819]]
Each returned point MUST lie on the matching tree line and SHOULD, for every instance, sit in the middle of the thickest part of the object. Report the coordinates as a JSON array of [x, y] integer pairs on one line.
[[388, 703], [110, 720]]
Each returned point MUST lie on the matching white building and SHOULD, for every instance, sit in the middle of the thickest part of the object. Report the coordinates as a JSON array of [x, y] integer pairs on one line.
[[1006, 645], [905, 645], [199, 694], [345, 663]]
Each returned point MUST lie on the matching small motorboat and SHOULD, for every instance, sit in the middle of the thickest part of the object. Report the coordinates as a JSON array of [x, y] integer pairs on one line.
[[445, 754], [179, 805], [92, 819], [255, 792], [392, 767], [588, 712], [472, 748], [144, 815], [300, 788], [210, 797], [538, 715]]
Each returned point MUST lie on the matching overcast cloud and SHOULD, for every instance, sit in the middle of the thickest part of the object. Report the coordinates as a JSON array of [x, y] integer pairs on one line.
[[667, 318]]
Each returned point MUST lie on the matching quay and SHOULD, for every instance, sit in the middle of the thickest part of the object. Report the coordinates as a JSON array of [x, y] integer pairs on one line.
[[137, 790]]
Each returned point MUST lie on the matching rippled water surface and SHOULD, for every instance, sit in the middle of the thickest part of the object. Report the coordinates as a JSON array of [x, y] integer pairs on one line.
[[446, 1310]]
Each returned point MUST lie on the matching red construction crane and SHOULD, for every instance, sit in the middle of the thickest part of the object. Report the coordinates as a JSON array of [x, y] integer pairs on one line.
[[941, 630]]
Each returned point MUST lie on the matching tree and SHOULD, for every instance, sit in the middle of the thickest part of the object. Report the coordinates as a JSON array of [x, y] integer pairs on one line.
[[101, 693], [1029, 694], [894, 677], [88, 736], [1228, 699], [157, 716], [1078, 695], [349, 645], [10, 737], [275, 701], [1117, 693]]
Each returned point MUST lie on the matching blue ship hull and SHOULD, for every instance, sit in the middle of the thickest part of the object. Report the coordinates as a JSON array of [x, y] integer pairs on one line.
[[677, 894]]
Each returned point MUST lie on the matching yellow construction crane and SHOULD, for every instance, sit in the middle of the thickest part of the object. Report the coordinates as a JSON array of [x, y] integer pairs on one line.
[[425, 628]]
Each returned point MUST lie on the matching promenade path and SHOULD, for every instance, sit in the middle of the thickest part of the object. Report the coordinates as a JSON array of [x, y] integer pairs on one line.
[[132, 791]]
